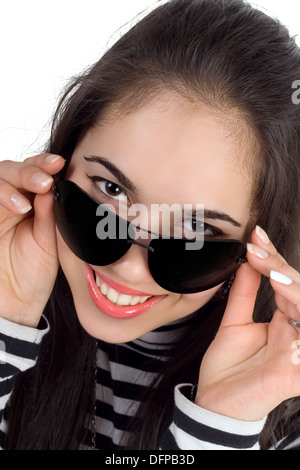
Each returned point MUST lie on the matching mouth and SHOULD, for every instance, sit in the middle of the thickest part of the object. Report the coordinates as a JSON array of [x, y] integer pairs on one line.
[[115, 300]]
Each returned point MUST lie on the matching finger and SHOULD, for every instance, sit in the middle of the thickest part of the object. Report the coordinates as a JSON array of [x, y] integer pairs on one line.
[[16, 173], [242, 297], [260, 238], [284, 279], [43, 223], [266, 259], [290, 309], [31, 176], [287, 289], [13, 200]]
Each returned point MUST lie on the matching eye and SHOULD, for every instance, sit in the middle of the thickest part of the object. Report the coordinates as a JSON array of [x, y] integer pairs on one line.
[[108, 190], [193, 226]]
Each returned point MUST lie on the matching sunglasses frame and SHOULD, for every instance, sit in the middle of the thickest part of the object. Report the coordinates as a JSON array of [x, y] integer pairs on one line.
[[151, 247]]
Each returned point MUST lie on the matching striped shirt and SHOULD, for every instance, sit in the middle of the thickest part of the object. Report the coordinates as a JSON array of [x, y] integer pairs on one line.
[[123, 372]]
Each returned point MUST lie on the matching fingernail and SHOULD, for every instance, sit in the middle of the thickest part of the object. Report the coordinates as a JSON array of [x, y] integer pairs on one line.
[[41, 179], [52, 158], [262, 234], [279, 277], [21, 203], [257, 251]]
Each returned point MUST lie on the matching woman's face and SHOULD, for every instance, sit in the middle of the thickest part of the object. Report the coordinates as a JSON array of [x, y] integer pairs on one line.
[[167, 152]]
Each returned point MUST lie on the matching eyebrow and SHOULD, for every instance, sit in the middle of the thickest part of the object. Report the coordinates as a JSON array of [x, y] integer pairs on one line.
[[128, 184], [123, 180], [214, 215], [221, 216]]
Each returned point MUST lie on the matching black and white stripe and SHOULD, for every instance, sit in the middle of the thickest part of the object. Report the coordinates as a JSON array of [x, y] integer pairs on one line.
[[194, 428], [124, 372], [18, 352]]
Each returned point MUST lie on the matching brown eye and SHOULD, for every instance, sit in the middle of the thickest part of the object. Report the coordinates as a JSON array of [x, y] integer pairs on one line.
[[107, 189], [112, 189], [193, 226]]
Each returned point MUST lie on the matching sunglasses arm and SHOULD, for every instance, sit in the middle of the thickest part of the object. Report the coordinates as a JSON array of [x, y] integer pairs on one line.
[[55, 193], [134, 242]]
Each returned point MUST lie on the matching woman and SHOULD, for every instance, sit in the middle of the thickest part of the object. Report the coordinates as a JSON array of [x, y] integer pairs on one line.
[[193, 105]]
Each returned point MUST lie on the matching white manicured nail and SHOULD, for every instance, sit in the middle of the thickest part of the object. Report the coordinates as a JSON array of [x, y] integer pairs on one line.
[[52, 158], [262, 235], [279, 277], [41, 179], [257, 251], [21, 203]]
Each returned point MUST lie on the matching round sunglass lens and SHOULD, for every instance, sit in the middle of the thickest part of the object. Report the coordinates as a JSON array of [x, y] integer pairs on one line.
[[185, 271]]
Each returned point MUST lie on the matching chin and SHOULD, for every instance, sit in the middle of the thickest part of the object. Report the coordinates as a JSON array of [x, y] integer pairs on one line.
[[111, 330]]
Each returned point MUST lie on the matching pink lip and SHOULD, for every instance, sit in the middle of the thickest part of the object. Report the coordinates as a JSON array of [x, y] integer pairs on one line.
[[108, 307], [120, 288]]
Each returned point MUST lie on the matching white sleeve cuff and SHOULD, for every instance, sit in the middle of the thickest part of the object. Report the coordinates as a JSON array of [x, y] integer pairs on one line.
[[195, 428], [25, 333]]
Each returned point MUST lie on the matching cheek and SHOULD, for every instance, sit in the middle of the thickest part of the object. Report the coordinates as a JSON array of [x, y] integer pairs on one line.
[[67, 259], [200, 298]]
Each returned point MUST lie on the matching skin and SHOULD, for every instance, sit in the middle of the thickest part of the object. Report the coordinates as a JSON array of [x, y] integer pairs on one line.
[[254, 363], [189, 157]]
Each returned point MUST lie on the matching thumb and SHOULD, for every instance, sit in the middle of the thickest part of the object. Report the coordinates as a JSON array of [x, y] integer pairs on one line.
[[44, 224], [242, 297]]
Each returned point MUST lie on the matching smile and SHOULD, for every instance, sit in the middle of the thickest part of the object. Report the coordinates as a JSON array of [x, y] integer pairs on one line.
[[116, 297], [115, 300]]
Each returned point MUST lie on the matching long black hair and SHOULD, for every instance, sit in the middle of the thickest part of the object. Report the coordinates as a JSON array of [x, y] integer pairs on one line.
[[234, 59]]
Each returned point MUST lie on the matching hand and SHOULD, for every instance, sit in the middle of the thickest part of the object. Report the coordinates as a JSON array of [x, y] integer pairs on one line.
[[28, 251], [249, 369]]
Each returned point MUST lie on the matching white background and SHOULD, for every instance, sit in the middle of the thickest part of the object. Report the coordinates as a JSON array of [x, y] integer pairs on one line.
[[45, 42]]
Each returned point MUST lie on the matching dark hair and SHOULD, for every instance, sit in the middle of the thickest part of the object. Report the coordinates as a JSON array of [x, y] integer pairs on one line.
[[232, 58]]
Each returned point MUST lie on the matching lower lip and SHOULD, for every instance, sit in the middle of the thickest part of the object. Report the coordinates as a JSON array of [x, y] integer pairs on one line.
[[109, 308]]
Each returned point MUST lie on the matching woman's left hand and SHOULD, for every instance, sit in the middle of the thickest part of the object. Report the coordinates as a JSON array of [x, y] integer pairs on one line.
[[250, 368]]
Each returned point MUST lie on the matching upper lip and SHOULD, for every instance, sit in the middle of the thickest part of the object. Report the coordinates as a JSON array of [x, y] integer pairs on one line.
[[120, 288]]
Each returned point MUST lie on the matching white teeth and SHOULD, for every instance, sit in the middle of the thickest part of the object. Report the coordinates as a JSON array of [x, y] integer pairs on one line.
[[123, 299], [104, 288], [134, 300], [118, 298], [112, 295]]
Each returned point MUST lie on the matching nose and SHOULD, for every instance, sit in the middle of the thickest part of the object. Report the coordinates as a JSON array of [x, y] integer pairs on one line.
[[133, 268]]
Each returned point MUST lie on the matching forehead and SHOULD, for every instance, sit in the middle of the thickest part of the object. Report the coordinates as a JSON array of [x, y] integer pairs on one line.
[[174, 151]]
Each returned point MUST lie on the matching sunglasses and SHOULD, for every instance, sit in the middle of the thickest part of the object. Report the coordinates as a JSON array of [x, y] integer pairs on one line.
[[171, 265]]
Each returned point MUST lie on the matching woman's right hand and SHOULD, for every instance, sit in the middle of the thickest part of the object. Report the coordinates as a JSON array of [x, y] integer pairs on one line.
[[28, 253]]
